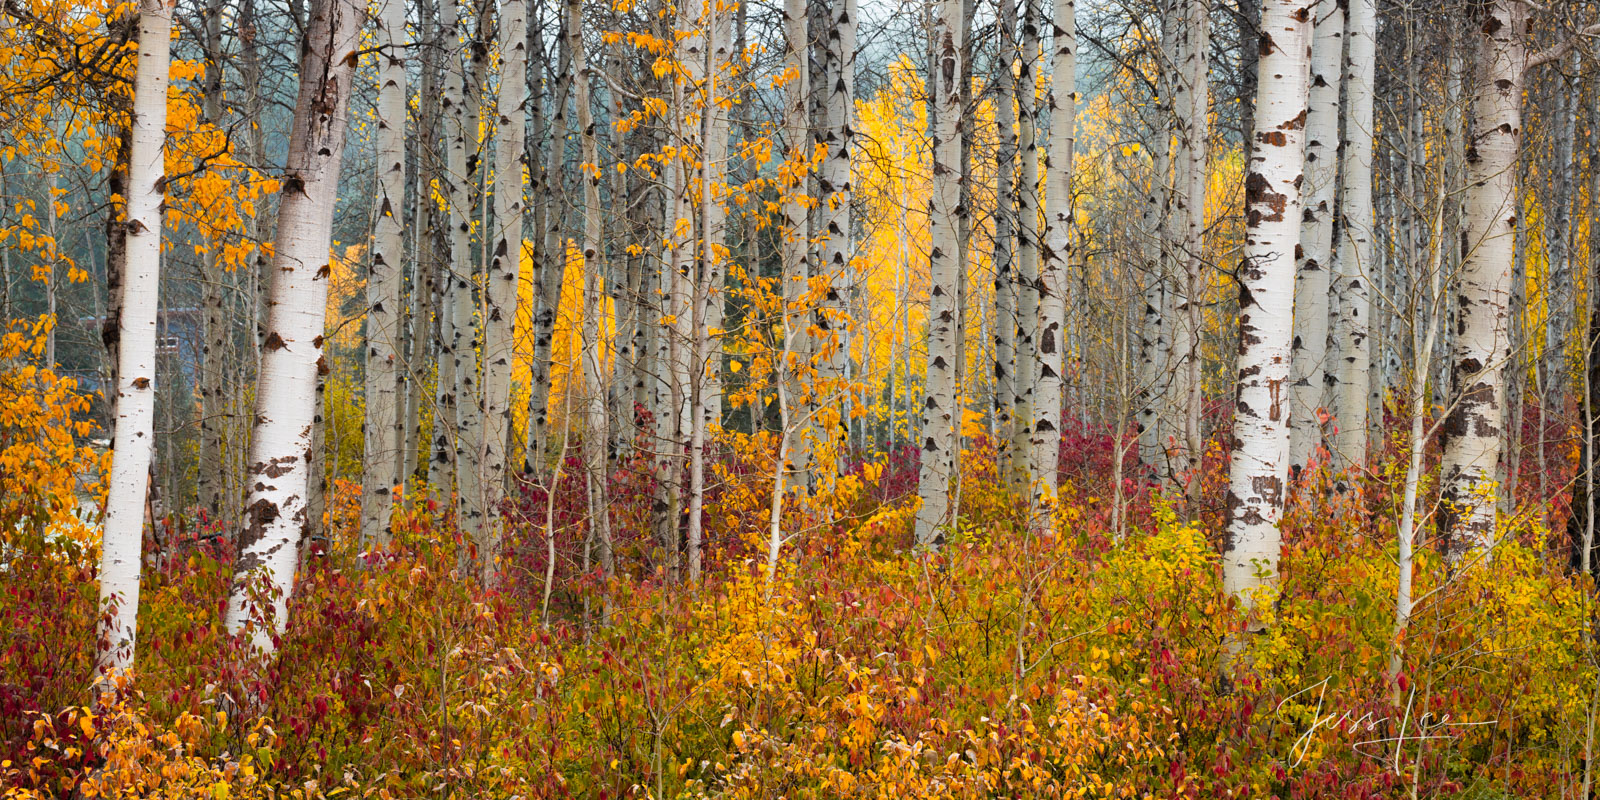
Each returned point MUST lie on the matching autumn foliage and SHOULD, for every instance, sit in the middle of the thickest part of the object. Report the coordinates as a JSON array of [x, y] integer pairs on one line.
[[1009, 666]]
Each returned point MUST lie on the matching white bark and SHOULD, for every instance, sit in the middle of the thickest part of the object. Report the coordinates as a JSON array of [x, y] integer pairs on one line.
[[382, 432], [552, 268], [1316, 237], [1028, 244], [940, 409], [134, 435], [286, 392], [466, 187], [595, 436], [1354, 269], [1260, 459], [1472, 432], [795, 250], [500, 286], [1056, 252], [1005, 224], [1194, 127], [839, 103]]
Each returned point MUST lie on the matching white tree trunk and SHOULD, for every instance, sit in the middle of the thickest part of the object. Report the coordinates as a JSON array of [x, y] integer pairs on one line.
[[1005, 226], [1472, 432], [940, 409], [467, 188], [595, 435], [1194, 126], [1056, 252], [552, 268], [382, 432], [134, 434], [290, 358], [1355, 269], [1028, 245], [500, 286], [795, 249], [839, 103], [1260, 459], [1316, 237]]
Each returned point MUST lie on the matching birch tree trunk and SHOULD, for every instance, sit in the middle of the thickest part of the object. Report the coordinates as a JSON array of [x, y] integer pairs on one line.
[[285, 397], [1355, 268], [1472, 431], [1056, 252], [595, 435], [1194, 126], [468, 321], [552, 268], [1028, 244], [839, 101], [1154, 343], [213, 400], [456, 308], [381, 427], [1559, 233], [1260, 460], [1316, 237], [500, 286], [795, 250], [1005, 226], [134, 434], [939, 409]]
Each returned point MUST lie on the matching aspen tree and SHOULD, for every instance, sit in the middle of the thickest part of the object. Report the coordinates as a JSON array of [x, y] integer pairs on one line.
[[1473, 427], [1354, 267], [1024, 468], [456, 309], [1259, 464], [382, 433], [1056, 252], [1005, 284], [795, 248], [210, 473], [1316, 237], [500, 285], [466, 314], [552, 268], [940, 409], [838, 135], [134, 434], [1193, 105], [292, 354], [1155, 345], [594, 440]]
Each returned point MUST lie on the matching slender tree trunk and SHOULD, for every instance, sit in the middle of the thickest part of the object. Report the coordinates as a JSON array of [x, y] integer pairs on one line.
[[1005, 224], [594, 440], [1028, 353], [500, 286], [795, 250], [939, 421], [1559, 232], [1316, 237], [1056, 252], [1472, 432], [386, 269], [839, 101], [285, 398], [468, 318], [1355, 268], [1194, 126], [1260, 459], [209, 470], [134, 434], [552, 269]]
